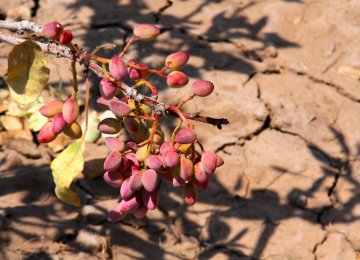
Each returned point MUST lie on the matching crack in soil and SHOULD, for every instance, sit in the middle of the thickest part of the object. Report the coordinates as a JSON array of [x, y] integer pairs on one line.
[[333, 186], [332, 162], [338, 165], [327, 234], [222, 147], [336, 87], [247, 53], [280, 69], [317, 245], [245, 139]]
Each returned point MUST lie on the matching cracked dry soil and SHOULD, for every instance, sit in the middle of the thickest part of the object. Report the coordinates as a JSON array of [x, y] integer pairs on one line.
[[287, 77]]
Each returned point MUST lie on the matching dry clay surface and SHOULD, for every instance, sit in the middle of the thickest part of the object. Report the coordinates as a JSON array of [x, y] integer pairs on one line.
[[287, 77]]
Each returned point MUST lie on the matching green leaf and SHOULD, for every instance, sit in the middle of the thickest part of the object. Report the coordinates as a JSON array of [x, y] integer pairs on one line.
[[28, 73], [65, 167]]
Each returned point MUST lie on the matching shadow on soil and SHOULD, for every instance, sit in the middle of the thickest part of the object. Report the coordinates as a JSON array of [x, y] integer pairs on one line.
[[220, 47], [38, 214]]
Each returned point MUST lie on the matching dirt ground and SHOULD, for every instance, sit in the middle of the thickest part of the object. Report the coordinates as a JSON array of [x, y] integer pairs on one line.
[[287, 77]]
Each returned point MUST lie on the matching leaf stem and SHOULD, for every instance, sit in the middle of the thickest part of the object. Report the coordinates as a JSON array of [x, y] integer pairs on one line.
[[127, 46], [185, 100], [180, 114], [177, 128]]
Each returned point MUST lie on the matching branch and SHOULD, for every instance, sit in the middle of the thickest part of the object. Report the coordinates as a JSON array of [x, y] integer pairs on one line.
[[21, 26], [83, 59]]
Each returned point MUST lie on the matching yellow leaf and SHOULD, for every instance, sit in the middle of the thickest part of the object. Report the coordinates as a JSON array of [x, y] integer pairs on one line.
[[67, 195], [35, 119], [65, 167], [28, 73], [92, 134]]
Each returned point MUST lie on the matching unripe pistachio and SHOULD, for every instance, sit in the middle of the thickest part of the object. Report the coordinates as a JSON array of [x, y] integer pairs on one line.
[[135, 128], [58, 124], [112, 161], [176, 60], [107, 89], [109, 126], [171, 159], [219, 161], [125, 190], [46, 134], [202, 88], [132, 159], [150, 199], [125, 167], [114, 144], [177, 79], [70, 110], [135, 180], [114, 178], [130, 204], [104, 103], [189, 193], [73, 131], [186, 169], [177, 181], [52, 108], [209, 161], [165, 147], [199, 173], [154, 162], [146, 32], [132, 145], [117, 68], [52, 30], [141, 211], [142, 153], [158, 139], [116, 214], [66, 37], [136, 74], [185, 136], [149, 180], [119, 108]]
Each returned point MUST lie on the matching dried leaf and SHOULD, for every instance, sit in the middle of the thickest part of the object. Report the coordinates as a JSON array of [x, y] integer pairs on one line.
[[7, 136], [28, 73], [15, 110], [65, 167], [11, 123], [67, 195], [3, 108], [60, 142]]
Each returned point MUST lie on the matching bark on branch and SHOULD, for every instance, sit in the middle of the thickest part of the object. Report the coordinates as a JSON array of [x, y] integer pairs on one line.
[[83, 59]]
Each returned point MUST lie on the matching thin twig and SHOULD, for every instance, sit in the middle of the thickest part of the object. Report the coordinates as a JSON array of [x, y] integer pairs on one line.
[[84, 59]]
